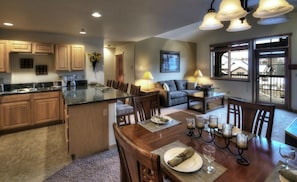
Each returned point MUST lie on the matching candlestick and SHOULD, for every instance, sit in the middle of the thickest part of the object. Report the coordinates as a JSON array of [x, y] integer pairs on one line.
[[213, 121], [227, 130], [241, 140], [200, 122]]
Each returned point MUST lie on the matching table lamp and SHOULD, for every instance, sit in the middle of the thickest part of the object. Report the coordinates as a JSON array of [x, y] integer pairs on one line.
[[147, 76], [198, 74]]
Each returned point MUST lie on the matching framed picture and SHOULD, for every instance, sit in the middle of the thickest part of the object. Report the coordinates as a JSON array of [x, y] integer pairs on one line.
[[169, 61]]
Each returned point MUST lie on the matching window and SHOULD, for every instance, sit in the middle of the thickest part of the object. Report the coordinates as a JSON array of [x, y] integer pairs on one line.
[[230, 61]]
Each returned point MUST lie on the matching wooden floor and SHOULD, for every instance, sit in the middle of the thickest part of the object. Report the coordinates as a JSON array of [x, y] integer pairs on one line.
[[35, 154]]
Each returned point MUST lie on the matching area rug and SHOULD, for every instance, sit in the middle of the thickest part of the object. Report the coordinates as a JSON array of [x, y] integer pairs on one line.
[[101, 167]]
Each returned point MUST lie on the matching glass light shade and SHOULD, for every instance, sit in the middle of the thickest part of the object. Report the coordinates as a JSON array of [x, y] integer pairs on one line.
[[273, 20], [272, 8], [230, 9], [210, 22], [237, 25], [147, 76]]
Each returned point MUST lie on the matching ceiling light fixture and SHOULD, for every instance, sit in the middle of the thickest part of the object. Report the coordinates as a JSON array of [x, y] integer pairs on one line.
[[8, 24], [82, 31], [210, 22], [96, 14], [236, 10]]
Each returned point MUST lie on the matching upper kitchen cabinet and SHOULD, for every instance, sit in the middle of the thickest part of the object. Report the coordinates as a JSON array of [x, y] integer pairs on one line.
[[20, 46], [69, 57], [4, 56], [44, 48]]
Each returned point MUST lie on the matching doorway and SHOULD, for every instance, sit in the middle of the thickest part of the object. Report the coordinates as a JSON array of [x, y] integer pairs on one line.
[[119, 67]]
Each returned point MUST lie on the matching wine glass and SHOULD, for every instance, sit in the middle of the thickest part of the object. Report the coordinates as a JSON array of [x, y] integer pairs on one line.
[[287, 153], [209, 154]]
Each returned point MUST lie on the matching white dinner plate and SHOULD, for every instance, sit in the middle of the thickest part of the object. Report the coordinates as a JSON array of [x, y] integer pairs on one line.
[[235, 131], [192, 164], [161, 119]]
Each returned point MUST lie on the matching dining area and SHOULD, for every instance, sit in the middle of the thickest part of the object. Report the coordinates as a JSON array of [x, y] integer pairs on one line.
[[207, 151]]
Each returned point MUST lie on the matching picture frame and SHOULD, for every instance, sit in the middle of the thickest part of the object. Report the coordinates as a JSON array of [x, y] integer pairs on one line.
[[169, 61]]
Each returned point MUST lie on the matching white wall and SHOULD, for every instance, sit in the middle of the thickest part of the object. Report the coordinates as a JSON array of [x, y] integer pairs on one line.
[[244, 89], [21, 76]]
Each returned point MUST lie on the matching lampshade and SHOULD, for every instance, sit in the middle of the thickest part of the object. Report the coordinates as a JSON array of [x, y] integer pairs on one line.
[[272, 8], [230, 9], [147, 76], [210, 22], [273, 20], [198, 73], [237, 25]]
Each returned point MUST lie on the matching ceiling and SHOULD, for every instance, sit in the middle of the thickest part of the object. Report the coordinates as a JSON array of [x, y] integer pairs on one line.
[[121, 21]]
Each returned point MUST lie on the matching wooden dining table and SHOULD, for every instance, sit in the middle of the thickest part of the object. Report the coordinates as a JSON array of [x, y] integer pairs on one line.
[[262, 154]]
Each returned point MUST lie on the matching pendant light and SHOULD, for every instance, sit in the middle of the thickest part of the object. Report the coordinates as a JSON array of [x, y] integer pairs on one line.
[[230, 9], [237, 25], [210, 22], [272, 8]]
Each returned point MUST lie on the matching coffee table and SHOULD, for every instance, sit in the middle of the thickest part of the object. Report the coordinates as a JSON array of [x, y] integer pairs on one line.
[[208, 103]]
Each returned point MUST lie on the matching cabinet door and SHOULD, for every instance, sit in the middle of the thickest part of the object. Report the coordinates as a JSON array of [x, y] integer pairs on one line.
[[45, 48], [46, 110], [15, 114], [62, 57], [20, 46], [4, 62], [77, 57]]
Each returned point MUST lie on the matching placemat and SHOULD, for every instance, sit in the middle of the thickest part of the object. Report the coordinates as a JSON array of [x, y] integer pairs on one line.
[[152, 127], [200, 175], [274, 175]]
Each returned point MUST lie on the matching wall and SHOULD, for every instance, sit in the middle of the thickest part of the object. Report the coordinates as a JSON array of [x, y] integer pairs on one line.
[[147, 58], [244, 89], [27, 76]]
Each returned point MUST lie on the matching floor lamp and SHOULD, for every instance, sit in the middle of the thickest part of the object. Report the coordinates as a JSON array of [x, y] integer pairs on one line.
[[147, 76]]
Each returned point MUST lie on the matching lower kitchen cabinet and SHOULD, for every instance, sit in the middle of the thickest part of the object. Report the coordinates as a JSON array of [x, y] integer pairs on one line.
[[46, 107], [15, 111]]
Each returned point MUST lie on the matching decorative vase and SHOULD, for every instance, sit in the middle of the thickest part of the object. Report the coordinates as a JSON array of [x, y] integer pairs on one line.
[[94, 63]]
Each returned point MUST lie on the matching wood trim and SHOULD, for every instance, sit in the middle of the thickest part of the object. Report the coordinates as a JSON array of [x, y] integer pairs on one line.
[[292, 66]]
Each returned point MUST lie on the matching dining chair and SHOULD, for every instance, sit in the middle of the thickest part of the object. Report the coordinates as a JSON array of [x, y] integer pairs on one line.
[[146, 106], [115, 84], [109, 83], [251, 117], [123, 86], [125, 110], [137, 164]]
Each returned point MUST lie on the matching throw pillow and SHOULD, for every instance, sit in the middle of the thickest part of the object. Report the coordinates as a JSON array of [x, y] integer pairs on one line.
[[191, 85], [165, 87]]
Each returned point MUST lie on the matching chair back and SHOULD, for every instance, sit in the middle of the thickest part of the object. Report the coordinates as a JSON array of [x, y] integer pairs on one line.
[[146, 106], [109, 83], [137, 164], [134, 90], [115, 84], [251, 116], [123, 86]]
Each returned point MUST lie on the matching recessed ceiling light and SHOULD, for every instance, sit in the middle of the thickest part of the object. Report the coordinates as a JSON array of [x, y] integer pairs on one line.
[[8, 24], [83, 31], [96, 14]]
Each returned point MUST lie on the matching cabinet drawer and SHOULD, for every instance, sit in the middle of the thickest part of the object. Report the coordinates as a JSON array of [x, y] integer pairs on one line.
[[45, 95], [14, 98]]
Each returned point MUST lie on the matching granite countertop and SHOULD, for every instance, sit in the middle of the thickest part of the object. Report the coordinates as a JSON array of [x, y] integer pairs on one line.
[[92, 94]]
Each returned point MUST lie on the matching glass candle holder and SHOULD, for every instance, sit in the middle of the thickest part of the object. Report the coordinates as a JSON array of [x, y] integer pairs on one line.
[[227, 130], [213, 121], [200, 123], [241, 141], [190, 123]]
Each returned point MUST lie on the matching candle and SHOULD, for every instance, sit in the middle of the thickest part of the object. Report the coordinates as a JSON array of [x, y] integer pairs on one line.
[[200, 122], [241, 140], [190, 123], [227, 130], [213, 121]]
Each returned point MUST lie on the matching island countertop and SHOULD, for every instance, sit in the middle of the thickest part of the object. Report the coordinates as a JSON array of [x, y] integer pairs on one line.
[[92, 94]]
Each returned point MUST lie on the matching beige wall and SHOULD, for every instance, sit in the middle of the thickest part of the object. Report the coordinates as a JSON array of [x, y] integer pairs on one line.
[[147, 58], [24, 76], [244, 89]]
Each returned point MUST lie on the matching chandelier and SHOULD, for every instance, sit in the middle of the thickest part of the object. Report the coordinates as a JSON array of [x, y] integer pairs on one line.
[[235, 11]]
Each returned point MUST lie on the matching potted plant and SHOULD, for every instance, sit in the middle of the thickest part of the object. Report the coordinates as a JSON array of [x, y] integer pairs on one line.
[[94, 57]]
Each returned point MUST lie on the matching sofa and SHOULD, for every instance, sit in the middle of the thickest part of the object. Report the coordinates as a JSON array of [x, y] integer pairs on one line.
[[174, 92]]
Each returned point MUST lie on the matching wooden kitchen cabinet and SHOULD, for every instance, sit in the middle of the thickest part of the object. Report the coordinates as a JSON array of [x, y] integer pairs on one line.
[[4, 56], [44, 48], [46, 107], [15, 111], [20, 46], [69, 57]]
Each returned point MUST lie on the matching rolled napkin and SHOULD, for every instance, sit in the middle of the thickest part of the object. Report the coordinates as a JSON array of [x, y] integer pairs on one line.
[[290, 175], [187, 153]]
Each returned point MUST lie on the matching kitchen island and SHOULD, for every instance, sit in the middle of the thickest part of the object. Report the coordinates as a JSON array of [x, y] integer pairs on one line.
[[89, 115]]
